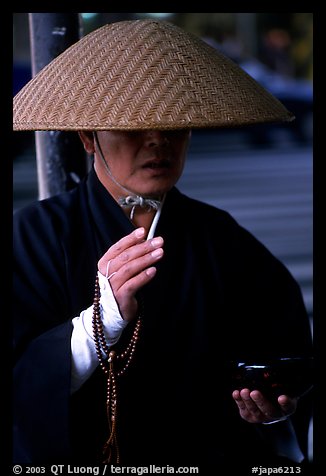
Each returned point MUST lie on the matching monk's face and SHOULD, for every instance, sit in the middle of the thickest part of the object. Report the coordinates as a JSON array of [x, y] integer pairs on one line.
[[148, 163]]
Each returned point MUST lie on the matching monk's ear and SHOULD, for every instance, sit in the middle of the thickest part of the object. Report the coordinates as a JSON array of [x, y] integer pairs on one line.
[[87, 139]]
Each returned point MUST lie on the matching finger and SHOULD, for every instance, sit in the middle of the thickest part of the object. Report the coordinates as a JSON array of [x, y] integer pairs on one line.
[[273, 411], [126, 250], [250, 404], [137, 236], [254, 413], [137, 251], [287, 404], [238, 400], [125, 296], [130, 287], [236, 395], [267, 409], [248, 412], [135, 268]]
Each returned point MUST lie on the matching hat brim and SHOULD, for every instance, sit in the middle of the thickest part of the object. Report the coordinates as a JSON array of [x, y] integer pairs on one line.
[[143, 74]]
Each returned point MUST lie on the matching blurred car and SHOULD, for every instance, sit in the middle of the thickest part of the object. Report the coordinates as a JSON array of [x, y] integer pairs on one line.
[[295, 94]]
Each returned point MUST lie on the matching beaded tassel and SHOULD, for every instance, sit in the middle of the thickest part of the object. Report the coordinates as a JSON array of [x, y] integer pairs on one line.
[[108, 365]]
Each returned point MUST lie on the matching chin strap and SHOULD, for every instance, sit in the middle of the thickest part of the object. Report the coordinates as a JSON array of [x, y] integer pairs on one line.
[[132, 200]]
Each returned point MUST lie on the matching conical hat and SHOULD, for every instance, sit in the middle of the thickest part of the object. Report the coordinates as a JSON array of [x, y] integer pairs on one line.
[[142, 74]]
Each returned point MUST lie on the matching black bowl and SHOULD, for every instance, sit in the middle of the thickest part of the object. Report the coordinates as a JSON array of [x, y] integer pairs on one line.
[[290, 376]]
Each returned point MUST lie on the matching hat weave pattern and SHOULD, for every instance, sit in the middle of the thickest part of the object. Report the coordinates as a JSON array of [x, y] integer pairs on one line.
[[142, 74]]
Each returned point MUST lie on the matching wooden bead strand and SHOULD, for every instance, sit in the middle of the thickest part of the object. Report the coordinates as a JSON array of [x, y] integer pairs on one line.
[[113, 365]]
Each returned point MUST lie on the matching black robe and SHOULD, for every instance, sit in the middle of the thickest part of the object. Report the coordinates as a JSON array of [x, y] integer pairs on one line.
[[219, 295]]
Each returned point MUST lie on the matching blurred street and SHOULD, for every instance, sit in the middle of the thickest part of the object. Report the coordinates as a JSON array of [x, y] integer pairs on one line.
[[268, 191]]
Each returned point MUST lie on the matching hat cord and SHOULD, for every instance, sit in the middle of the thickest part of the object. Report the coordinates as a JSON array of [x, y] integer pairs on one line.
[[132, 200]]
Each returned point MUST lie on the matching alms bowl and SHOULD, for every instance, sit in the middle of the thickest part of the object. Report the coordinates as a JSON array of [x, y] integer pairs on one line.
[[292, 376]]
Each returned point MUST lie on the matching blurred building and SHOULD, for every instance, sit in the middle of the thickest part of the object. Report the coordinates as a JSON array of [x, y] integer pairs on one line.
[[240, 35]]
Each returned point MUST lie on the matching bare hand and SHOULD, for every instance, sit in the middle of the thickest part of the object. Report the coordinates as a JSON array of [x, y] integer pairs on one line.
[[128, 264], [254, 407]]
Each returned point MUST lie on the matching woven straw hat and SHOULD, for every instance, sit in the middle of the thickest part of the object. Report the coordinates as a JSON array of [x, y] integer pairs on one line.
[[142, 74]]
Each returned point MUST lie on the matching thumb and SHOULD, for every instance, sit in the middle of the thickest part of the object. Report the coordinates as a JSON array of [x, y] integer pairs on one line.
[[287, 404]]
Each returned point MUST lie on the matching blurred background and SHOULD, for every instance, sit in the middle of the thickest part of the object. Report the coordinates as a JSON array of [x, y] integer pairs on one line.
[[262, 175]]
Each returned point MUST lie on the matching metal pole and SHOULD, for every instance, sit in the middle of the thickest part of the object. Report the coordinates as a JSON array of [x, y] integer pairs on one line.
[[61, 160]]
